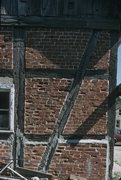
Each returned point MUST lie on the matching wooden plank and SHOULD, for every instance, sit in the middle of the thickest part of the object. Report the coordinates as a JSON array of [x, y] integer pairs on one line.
[[52, 8], [68, 137], [33, 8], [97, 74], [9, 7], [9, 20], [63, 73], [42, 8], [37, 137], [84, 7], [27, 173], [21, 8], [19, 79], [70, 7], [14, 8], [19, 72], [36, 21], [6, 73], [114, 36], [50, 73], [9, 178], [77, 137], [2, 8], [5, 7], [69, 102], [30, 173]]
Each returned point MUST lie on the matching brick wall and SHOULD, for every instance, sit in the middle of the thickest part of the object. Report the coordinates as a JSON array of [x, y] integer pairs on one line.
[[5, 152], [101, 56], [55, 48], [33, 155], [6, 48], [89, 118], [45, 94], [45, 97], [43, 100], [82, 160]]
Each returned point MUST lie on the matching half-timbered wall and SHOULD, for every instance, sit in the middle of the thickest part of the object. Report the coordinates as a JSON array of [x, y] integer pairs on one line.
[[47, 67], [63, 78]]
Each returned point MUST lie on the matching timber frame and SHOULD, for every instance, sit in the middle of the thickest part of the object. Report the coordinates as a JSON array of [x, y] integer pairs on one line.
[[21, 16]]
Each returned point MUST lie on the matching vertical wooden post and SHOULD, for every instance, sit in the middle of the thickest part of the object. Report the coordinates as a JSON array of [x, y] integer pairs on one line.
[[114, 35], [19, 80]]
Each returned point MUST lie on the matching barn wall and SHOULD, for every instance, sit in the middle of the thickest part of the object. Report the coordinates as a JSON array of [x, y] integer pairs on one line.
[[45, 95], [43, 78]]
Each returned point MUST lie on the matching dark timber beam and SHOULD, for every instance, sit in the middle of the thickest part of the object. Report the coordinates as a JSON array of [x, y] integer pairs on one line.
[[19, 79], [45, 138], [114, 38], [63, 73], [6, 73], [73, 22], [69, 102], [30, 173], [50, 73]]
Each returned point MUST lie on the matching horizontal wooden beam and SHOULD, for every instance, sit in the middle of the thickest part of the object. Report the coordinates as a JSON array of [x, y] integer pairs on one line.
[[50, 73], [30, 173], [55, 73], [37, 137], [64, 73], [43, 138], [6, 72], [37, 21]]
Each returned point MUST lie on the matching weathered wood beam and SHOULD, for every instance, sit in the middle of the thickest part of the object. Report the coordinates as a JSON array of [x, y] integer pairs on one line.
[[114, 38], [29, 173], [6, 73], [92, 23], [37, 137], [19, 79], [45, 138], [64, 73], [61, 7], [55, 73], [50, 73]]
